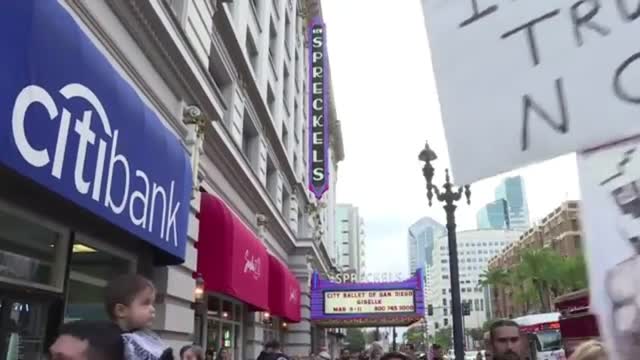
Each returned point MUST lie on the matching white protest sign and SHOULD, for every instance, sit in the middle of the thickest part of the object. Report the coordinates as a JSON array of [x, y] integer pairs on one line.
[[610, 218], [527, 80]]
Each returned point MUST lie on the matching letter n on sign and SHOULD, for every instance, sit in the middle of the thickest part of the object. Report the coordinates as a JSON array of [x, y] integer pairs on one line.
[[318, 110]]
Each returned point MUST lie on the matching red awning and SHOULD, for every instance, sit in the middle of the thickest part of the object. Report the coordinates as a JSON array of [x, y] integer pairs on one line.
[[231, 258], [284, 291]]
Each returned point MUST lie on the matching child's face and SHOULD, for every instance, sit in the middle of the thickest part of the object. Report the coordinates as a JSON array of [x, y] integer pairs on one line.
[[141, 312]]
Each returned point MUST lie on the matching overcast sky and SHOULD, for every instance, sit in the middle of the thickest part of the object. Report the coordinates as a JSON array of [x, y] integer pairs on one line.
[[388, 106]]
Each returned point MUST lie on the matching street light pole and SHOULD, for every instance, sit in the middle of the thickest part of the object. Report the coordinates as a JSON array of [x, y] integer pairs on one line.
[[448, 197]]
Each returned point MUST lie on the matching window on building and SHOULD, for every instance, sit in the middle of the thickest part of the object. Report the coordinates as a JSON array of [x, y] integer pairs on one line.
[[250, 140], [446, 322], [224, 325], [272, 174], [445, 311], [271, 101], [285, 135], [444, 291], [445, 277], [436, 325], [481, 305], [273, 42], [252, 51], [444, 302], [476, 304]]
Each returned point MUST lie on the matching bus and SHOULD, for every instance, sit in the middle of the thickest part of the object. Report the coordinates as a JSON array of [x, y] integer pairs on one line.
[[577, 322], [542, 334]]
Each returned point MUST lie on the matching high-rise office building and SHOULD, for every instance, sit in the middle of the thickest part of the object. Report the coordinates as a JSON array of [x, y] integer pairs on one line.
[[512, 190], [475, 249], [349, 239], [420, 239], [494, 215]]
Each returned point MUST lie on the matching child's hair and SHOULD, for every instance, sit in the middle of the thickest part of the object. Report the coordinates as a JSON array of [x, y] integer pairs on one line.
[[123, 290], [589, 350]]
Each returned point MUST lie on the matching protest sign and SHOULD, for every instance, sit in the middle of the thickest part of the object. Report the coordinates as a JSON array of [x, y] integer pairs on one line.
[[524, 81], [610, 217]]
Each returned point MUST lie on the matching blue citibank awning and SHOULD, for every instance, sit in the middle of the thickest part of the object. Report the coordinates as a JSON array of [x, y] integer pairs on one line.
[[71, 123]]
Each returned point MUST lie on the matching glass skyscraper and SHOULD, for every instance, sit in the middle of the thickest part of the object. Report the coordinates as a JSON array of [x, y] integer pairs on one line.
[[494, 215], [420, 241], [512, 190]]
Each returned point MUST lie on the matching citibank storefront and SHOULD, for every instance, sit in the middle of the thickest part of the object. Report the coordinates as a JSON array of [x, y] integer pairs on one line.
[[92, 183]]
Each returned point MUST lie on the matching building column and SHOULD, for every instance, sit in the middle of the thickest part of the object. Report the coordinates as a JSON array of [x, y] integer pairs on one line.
[[298, 337], [253, 335]]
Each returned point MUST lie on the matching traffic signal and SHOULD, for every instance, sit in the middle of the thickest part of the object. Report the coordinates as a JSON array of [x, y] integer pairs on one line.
[[466, 308], [430, 310]]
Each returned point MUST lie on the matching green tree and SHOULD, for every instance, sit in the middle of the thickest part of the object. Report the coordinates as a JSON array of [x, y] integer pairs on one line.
[[494, 277], [476, 334], [415, 336], [541, 267], [573, 274], [355, 339], [443, 337]]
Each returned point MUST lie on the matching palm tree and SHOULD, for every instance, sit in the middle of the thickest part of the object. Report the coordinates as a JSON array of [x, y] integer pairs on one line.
[[522, 293], [573, 274], [494, 279], [540, 267]]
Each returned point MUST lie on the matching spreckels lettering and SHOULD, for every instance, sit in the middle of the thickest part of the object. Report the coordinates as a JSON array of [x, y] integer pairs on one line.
[[140, 197]]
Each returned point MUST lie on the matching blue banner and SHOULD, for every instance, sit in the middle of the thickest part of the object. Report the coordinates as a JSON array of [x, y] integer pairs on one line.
[[73, 124]]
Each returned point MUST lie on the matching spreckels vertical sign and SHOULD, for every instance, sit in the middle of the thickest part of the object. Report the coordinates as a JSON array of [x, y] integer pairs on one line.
[[318, 110]]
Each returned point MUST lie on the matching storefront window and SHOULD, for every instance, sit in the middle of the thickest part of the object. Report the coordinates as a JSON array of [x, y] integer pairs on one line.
[[224, 326], [91, 267], [32, 253]]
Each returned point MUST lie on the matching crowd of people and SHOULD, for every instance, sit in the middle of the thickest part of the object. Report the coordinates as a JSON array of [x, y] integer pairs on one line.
[[129, 302]]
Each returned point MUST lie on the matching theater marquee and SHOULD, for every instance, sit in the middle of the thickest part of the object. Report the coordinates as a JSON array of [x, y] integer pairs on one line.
[[369, 302], [318, 110]]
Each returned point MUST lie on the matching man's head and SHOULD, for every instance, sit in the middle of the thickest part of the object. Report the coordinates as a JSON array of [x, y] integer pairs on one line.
[[88, 340], [345, 354], [129, 301], [505, 340], [272, 346]]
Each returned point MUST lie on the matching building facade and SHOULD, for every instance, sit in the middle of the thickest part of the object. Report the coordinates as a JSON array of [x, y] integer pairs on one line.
[[494, 215], [512, 190], [149, 70], [349, 239], [559, 230], [475, 248], [420, 241]]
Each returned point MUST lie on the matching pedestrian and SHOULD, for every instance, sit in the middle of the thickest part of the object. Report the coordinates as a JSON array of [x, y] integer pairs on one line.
[[436, 352], [191, 352], [376, 351], [223, 354], [129, 301], [276, 351], [210, 354], [345, 354], [506, 343], [267, 350], [88, 340], [590, 350]]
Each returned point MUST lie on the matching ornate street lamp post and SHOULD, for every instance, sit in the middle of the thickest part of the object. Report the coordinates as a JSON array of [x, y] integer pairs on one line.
[[449, 197]]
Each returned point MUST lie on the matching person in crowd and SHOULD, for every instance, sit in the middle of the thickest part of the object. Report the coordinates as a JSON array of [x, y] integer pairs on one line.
[[590, 350], [437, 353], [266, 352], [345, 354], [210, 354], [410, 351], [276, 351], [506, 343], [487, 346], [376, 351], [88, 340], [191, 352], [129, 301], [394, 355], [223, 354]]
